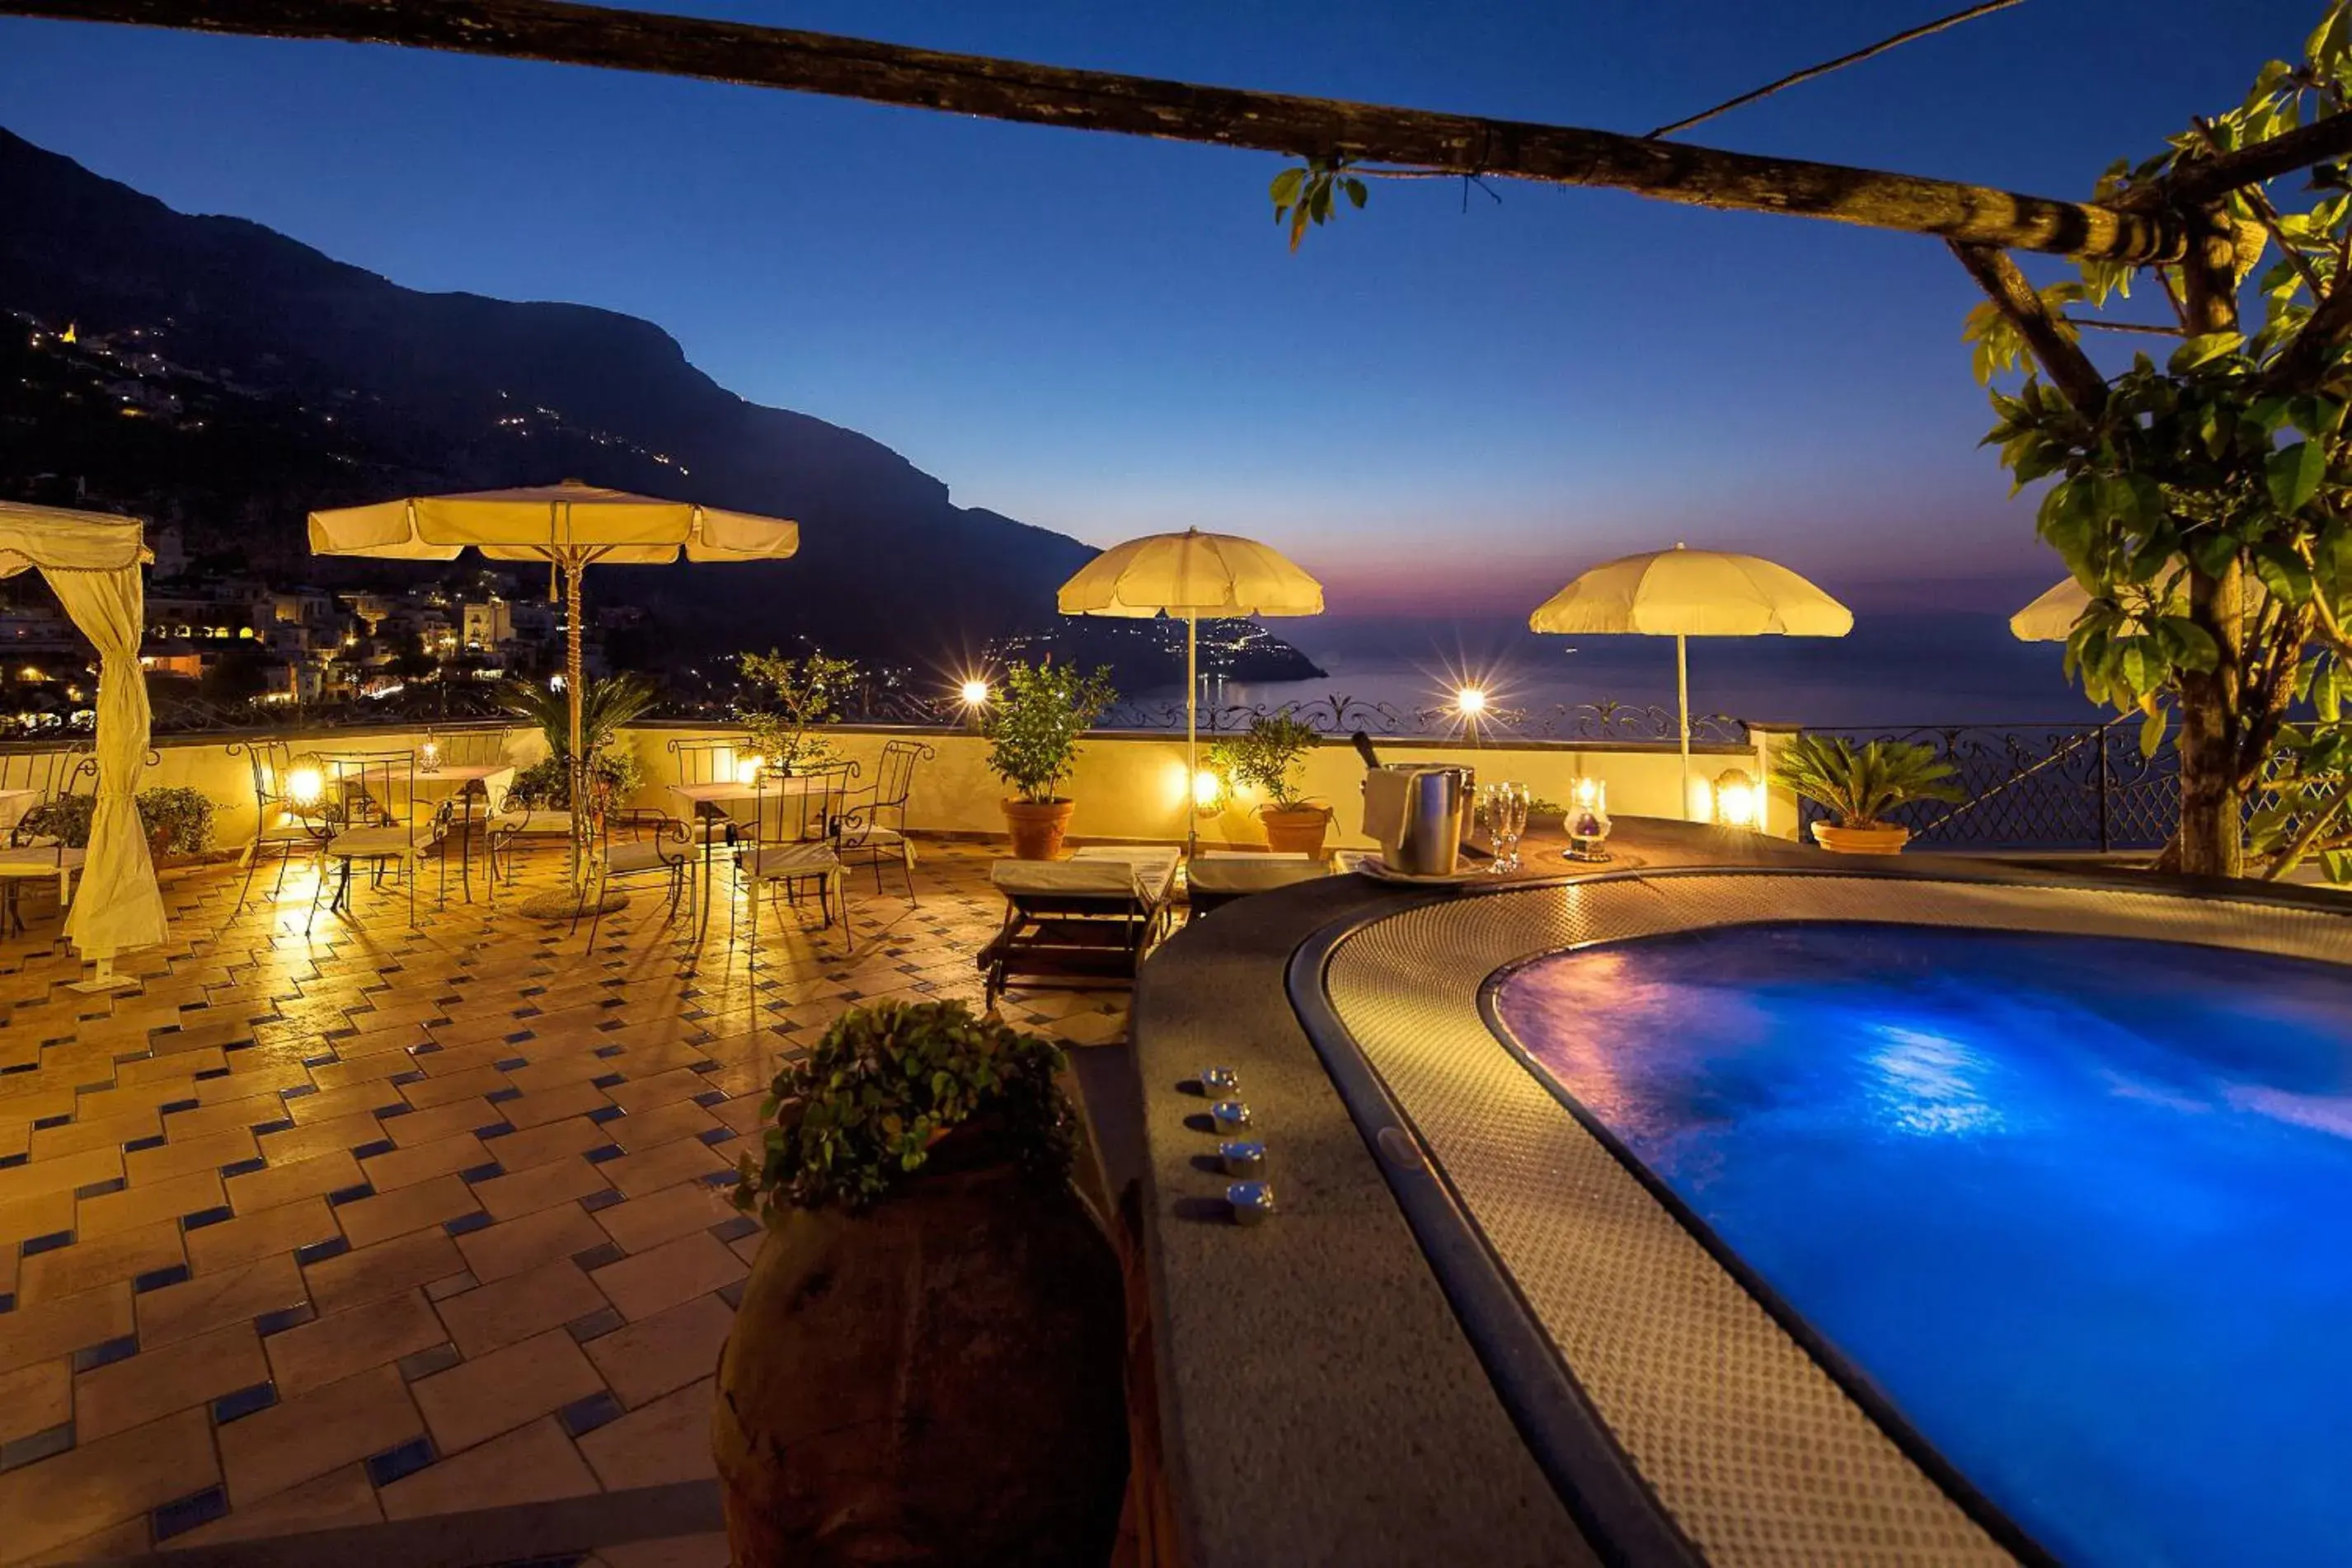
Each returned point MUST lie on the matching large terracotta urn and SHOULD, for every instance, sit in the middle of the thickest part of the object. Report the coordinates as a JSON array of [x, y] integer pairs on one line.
[[937, 1380], [1037, 827]]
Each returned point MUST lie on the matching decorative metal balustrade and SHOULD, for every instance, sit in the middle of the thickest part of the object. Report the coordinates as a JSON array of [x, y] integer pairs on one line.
[[1339, 714], [2038, 786]]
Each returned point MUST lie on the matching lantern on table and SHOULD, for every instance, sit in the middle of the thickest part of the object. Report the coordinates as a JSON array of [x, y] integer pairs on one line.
[[1587, 820]]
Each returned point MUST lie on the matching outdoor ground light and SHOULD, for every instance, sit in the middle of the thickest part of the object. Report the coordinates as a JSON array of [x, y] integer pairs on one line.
[[1207, 790], [747, 770], [1736, 798], [428, 756], [304, 785], [1587, 821]]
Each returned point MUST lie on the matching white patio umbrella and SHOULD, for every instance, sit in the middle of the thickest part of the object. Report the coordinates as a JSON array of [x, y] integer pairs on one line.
[[1191, 575], [2052, 617], [1683, 594], [570, 526], [92, 562]]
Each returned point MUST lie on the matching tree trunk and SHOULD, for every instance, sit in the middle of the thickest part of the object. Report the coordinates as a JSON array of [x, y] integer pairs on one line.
[[2212, 717], [2211, 839]]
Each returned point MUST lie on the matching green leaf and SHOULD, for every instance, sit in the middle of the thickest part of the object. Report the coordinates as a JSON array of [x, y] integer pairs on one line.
[[2204, 348], [2293, 474], [2327, 693], [2198, 650], [2151, 731], [1285, 189], [1356, 191]]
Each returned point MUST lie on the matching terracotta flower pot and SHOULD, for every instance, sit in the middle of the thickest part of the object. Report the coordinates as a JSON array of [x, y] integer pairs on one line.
[[937, 1380], [1878, 838], [1037, 827], [1295, 830]]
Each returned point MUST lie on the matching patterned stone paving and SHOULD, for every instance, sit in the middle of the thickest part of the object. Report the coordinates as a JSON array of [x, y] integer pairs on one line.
[[367, 1223]]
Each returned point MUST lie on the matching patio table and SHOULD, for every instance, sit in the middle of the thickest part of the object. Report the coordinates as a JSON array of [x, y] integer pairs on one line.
[[718, 794]]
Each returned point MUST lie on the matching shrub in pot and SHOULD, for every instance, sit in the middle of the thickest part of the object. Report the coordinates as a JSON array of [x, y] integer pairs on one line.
[[1860, 784], [177, 820], [1270, 756], [926, 1365], [1032, 729], [606, 707], [799, 698]]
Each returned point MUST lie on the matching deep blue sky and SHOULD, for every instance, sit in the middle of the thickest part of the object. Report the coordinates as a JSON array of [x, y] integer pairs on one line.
[[1104, 335]]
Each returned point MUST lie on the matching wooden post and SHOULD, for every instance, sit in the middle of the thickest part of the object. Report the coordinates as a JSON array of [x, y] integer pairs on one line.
[[1287, 124]]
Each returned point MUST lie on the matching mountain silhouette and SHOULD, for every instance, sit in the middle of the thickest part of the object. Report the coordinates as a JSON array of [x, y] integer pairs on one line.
[[263, 379]]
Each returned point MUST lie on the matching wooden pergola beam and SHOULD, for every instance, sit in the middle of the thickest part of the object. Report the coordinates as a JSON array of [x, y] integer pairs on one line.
[[797, 61]]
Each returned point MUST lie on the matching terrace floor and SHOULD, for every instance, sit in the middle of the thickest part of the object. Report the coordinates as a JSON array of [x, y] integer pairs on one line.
[[371, 1224]]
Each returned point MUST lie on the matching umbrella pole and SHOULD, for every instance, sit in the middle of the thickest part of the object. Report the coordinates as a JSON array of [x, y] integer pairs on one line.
[[1682, 704], [1191, 736], [571, 676]]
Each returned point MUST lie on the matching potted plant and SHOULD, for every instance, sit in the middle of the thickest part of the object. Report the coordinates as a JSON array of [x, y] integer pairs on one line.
[[1032, 730], [1270, 756], [926, 1363], [179, 820], [605, 708], [801, 695], [1860, 784]]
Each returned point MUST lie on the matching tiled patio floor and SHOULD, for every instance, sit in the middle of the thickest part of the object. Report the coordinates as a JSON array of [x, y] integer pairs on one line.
[[372, 1223]]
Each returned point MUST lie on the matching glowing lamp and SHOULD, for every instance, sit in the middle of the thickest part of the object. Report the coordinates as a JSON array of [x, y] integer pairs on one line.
[[428, 756], [1736, 802], [1587, 820], [304, 785], [747, 770], [1207, 790], [1701, 805], [1469, 701], [975, 693]]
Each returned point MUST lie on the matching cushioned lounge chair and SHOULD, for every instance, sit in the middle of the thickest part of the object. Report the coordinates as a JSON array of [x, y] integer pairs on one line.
[[1084, 922]]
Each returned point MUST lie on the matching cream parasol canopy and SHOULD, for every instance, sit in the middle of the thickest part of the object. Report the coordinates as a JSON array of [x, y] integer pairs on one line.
[[92, 562], [1683, 594], [1191, 575], [2052, 617], [570, 526]]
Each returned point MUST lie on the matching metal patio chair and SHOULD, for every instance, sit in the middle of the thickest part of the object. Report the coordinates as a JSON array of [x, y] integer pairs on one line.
[[37, 851], [873, 825], [656, 845], [786, 840], [368, 811], [277, 824]]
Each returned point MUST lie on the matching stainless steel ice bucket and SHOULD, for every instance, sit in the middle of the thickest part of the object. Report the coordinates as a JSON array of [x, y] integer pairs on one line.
[[1437, 814]]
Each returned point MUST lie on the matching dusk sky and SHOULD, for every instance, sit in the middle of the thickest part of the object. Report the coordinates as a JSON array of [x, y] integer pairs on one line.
[[1435, 408]]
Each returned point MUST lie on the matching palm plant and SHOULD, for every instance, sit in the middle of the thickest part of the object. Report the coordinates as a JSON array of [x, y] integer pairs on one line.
[[1861, 784], [605, 708]]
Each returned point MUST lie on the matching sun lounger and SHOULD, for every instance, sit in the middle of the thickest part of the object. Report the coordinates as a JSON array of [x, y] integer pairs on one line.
[[1084, 922]]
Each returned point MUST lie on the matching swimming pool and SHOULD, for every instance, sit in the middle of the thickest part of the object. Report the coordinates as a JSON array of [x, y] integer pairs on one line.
[[2078, 1209]]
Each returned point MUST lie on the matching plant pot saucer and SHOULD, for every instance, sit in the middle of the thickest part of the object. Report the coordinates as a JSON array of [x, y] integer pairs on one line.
[[563, 904]]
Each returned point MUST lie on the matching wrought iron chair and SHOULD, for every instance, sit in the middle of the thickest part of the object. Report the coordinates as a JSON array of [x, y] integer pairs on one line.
[[36, 849], [787, 840], [473, 746], [657, 845], [874, 827], [708, 760], [368, 810], [278, 823]]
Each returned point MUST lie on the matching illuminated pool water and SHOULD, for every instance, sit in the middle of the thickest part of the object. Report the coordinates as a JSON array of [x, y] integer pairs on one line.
[[2080, 1210]]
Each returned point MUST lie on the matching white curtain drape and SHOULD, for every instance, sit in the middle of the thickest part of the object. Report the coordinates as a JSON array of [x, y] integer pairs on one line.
[[93, 562], [119, 906]]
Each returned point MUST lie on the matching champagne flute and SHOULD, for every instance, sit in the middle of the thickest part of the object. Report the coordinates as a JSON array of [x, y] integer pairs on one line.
[[1511, 814]]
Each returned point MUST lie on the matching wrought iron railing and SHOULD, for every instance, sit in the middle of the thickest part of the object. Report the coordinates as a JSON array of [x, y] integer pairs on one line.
[[2038, 786], [1339, 714]]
